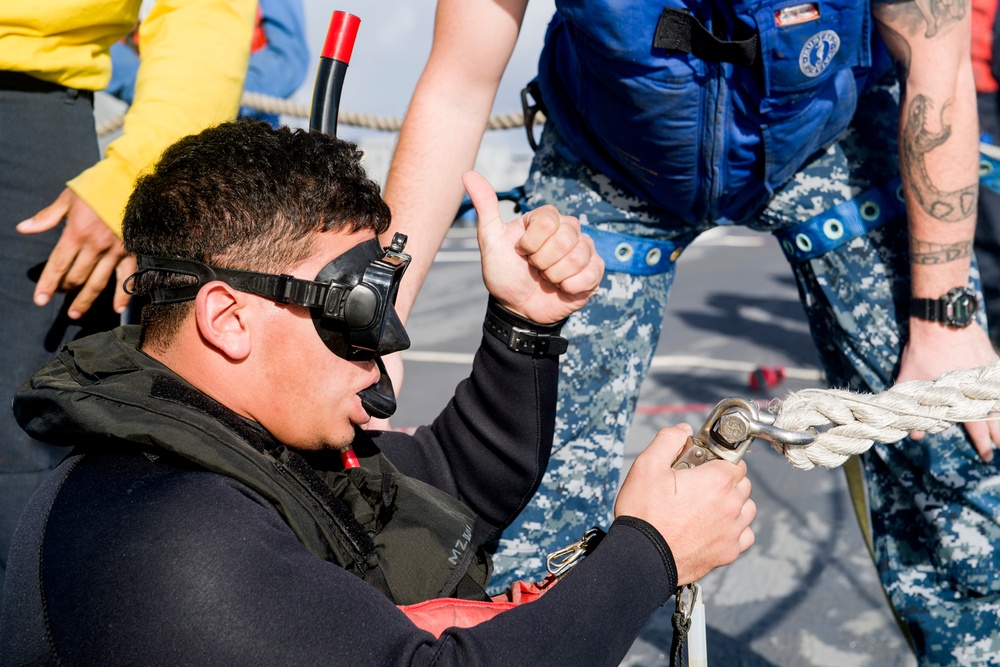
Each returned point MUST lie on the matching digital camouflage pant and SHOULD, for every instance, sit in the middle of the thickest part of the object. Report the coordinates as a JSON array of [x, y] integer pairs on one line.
[[935, 505]]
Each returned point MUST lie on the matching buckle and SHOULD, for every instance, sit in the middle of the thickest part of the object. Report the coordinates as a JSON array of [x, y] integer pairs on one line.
[[562, 561], [514, 332], [526, 341], [531, 107]]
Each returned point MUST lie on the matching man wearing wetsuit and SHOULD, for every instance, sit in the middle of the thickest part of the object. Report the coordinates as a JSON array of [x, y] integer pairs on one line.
[[221, 502]]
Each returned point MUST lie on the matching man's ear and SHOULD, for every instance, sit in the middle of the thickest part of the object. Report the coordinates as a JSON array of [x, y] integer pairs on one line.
[[222, 317]]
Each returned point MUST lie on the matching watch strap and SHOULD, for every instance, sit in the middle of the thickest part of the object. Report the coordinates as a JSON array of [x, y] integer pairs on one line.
[[523, 335], [931, 310], [957, 308]]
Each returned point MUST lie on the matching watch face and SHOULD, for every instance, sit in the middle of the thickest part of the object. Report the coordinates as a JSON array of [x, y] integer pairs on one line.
[[961, 306]]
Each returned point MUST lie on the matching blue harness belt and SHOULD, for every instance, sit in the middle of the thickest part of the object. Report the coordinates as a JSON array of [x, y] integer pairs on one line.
[[869, 210], [637, 255], [841, 224], [830, 229], [989, 172]]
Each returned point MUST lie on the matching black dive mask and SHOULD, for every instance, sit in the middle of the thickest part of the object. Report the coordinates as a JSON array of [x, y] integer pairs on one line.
[[351, 301]]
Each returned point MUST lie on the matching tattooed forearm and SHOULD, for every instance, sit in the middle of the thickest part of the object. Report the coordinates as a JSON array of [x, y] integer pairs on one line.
[[915, 142], [925, 252], [927, 15]]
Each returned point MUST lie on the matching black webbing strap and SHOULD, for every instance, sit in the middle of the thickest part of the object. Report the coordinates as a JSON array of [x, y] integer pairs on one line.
[[678, 30]]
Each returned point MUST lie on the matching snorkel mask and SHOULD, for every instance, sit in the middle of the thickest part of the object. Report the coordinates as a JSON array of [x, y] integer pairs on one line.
[[351, 301]]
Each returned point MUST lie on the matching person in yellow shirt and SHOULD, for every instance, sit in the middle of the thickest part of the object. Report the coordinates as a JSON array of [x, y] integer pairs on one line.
[[61, 258]]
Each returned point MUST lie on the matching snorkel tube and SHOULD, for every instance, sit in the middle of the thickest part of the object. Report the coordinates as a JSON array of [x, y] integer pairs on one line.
[[333, 62], [379, 400]]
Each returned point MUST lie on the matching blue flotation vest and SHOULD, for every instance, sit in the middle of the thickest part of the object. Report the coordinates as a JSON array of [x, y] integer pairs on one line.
[[703, 138]]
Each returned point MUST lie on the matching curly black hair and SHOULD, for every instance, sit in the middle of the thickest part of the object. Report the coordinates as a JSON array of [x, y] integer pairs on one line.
[[244, 195]]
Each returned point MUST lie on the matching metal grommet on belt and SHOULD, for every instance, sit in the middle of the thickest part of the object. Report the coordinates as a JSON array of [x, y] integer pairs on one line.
[[623, 252], [675, 255], [833, 228], [985, 168], [635, 255], [899, 193], [848, 220], [869, 211]]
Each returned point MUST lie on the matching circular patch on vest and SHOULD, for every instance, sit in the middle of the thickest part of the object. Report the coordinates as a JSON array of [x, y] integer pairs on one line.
[[818, 52]]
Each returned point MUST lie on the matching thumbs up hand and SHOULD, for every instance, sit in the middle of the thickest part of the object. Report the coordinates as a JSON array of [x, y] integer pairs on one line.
[[540, 266]]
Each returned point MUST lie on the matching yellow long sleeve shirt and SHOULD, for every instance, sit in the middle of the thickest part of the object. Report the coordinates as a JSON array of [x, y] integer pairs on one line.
[[194, 60]]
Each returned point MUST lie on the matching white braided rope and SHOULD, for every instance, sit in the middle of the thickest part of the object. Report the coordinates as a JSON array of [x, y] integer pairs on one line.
[[849, 423], [283, 107]]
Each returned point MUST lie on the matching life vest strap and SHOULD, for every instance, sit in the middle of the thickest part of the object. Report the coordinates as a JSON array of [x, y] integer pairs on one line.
[[678, 30]]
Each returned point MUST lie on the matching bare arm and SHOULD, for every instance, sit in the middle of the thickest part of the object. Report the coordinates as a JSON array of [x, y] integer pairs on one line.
[[938, 138], [444, 125], [473, 40]]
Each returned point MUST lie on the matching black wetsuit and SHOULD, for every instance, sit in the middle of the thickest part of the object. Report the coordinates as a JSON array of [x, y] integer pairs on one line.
[[133, 554]]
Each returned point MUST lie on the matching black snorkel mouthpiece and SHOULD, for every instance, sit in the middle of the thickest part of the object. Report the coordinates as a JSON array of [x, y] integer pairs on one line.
[[379, 400]]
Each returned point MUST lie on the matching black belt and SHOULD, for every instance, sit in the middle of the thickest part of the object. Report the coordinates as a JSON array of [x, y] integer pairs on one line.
[[25, 83]]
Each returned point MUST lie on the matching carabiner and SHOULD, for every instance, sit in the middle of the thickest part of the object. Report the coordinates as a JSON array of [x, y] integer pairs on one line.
[[729, 431], [560, 562]]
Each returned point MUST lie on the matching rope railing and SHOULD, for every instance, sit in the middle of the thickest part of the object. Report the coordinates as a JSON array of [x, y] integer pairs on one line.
[[847, 423], [283, 107]]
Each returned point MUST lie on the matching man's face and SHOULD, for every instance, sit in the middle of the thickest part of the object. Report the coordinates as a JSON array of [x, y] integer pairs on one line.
[[312, 394]]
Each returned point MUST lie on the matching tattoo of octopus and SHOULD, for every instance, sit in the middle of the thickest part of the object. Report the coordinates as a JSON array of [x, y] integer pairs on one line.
[[917, 141], [926, 252]]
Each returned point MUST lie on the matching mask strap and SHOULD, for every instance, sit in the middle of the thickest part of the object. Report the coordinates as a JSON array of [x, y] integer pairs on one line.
[[280, 288]]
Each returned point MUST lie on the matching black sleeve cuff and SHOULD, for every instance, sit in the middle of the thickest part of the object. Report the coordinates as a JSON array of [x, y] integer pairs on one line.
[[661, 545], [522, 335]]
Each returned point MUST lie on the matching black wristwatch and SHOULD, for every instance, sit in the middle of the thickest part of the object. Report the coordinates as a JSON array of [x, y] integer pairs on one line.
[[956, 309]]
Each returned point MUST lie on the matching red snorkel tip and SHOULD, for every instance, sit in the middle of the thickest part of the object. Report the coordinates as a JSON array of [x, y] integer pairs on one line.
[[340, 37]]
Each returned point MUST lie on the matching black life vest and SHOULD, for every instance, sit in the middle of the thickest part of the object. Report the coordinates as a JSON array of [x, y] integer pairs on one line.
[[406, 538]]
